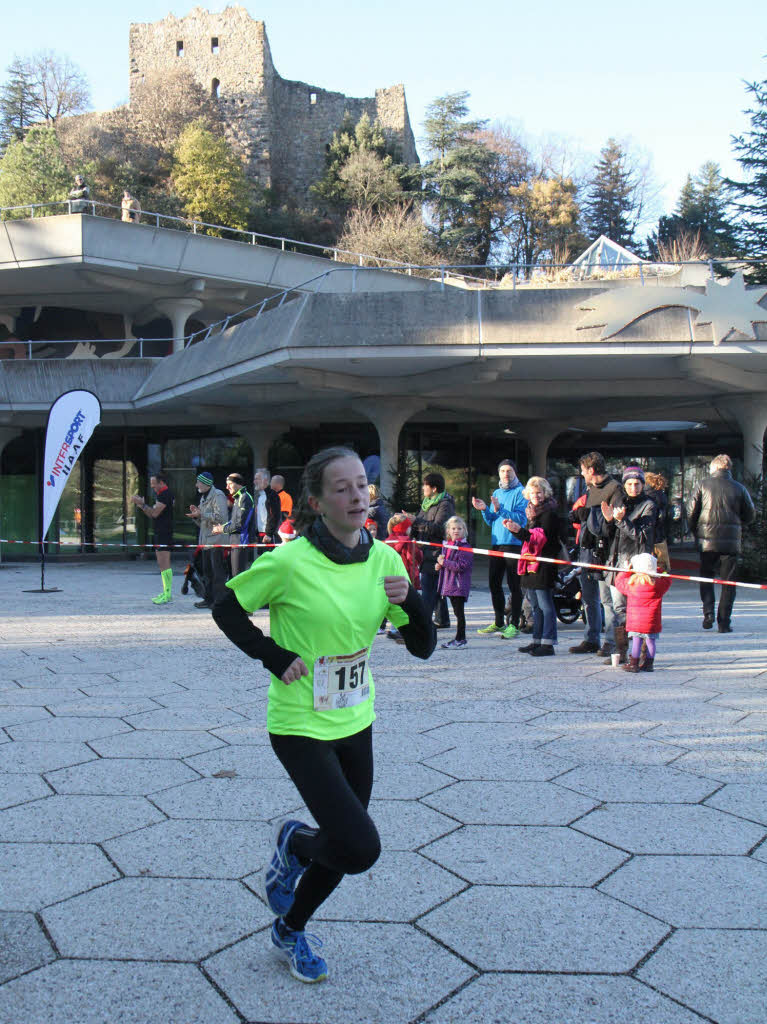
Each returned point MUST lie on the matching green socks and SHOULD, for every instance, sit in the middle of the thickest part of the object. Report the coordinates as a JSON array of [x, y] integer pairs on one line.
[[165, 596]]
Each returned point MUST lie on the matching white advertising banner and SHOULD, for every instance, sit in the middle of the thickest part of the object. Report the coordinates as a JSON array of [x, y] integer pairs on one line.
[[71, 421]]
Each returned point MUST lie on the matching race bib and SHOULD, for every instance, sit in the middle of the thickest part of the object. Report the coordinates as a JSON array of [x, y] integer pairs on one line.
[[341, 681]]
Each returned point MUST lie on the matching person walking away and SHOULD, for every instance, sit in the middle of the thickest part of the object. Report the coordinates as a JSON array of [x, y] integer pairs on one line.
[[130, 208], [240, 527], [161, 514], [719, 509], [592, 548], [379, 509], [277, 484], [429, 525], [628, 523], [541, 536], [455, 564], [212, 511], [327, 591], [644, 597], [506, 502]]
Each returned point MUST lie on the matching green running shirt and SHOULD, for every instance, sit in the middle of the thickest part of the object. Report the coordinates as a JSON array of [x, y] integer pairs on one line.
[[319, 608]]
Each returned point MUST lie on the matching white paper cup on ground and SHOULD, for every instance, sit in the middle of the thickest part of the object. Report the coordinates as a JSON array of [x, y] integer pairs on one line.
[[615, 659]]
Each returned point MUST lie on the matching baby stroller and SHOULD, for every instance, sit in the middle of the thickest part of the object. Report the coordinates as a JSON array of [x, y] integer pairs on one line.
[[567, 593]]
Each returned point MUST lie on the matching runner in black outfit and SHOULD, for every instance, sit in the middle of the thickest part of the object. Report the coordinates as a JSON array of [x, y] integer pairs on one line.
[[327, 593], [161, 514]]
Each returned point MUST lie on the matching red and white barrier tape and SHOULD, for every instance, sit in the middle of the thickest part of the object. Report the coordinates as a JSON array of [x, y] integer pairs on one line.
[[593, 566]]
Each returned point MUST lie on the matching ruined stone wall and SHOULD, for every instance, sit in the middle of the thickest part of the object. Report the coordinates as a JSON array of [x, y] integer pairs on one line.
[[280, 128]]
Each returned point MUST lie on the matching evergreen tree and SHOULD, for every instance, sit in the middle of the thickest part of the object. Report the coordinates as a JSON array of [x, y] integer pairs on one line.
[[751, 193], [209, 179], [33, 171], [459, 179], [701, 227], [18, 104], [613, 204], [362, 169]]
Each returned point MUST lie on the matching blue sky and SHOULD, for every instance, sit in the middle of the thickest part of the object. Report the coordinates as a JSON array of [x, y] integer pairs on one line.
[[667, 75]]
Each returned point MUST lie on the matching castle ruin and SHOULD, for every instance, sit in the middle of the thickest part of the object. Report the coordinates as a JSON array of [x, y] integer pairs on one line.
[[280, 128]]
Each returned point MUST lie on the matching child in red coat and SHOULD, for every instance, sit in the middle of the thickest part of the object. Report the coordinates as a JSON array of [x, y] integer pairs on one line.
[[644, 596], [411, 555]]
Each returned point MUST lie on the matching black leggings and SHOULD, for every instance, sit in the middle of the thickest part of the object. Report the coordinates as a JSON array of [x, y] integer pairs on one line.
[[460, 618], [335, 779], [497, 568]]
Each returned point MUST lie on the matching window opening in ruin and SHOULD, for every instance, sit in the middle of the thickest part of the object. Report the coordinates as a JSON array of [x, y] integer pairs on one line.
[[180, 48], [214, 44], [312, 98], [215, 85]]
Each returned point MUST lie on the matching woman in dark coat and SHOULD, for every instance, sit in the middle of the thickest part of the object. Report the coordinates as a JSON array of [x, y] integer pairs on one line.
[[541, 536]]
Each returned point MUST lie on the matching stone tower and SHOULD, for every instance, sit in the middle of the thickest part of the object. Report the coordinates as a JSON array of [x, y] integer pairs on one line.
[[281, 128]]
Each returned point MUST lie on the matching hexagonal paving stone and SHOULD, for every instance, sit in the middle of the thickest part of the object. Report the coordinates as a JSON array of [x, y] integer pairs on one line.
[[735, 960], [97, 707], [229, 799], [153, 918], [538, 929], [42, 757], [131, 776], [745, 801], [523, 855], [641, 783], [521, 735], [726, 765], [670, 828], [695, 892], [413, 718], [613, 750], [39, 698], [410, 748], [246, 733], [489, 710], [593, 723], [249, 761], [23, 946], [510, 803], [68, 729], [33, 875], [19, 789], [95, 992], [183, 718], [490, 763], [76, 819], [397, 975], [406, 825], [400, 887], [545, 999], [193, 849], [11, 714], [397, 781], [165, 744], [131, 689]]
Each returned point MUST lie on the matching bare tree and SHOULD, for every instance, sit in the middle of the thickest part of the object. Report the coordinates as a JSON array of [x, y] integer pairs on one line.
[[57, 86], [395, 234], [165, 103]]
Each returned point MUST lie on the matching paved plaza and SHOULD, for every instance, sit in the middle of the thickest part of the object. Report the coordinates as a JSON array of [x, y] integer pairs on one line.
[[563, 842]]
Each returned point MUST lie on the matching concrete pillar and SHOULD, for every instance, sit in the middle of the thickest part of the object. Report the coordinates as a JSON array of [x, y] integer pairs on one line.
[[178, 312], [261, 437], [539, 448], [389, 416], [751, 416]]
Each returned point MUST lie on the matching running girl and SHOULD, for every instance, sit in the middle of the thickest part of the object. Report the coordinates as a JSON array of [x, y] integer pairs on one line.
[[327, 593], [644, 598], [455, 567]]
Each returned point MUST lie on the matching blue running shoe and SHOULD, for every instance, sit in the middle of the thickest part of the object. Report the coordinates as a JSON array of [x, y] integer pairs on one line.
[[294, 948], [284, 868]]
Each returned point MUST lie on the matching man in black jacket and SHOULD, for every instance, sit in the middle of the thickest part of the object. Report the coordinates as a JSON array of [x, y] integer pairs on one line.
[[429, 525], [719, 509], [593, 548], [268, 510]]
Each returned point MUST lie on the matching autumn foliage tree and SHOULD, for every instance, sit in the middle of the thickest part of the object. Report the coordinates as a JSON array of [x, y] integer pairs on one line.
[[209, 179]]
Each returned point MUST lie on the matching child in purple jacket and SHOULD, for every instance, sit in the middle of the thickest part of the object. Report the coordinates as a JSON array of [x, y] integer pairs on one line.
[[454, 581]]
